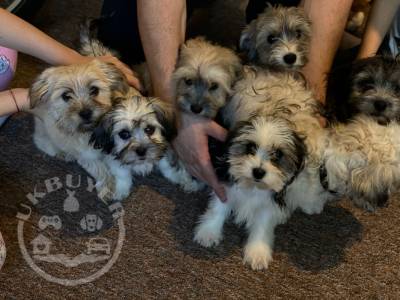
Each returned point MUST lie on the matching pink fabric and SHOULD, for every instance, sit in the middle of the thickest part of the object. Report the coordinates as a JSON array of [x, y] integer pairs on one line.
[[8, 64]]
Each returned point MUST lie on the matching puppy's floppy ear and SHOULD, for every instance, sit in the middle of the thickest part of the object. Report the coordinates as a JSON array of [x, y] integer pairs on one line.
[[165, 115], [118, 83], [247, 41], [102, 137], [39, 91]]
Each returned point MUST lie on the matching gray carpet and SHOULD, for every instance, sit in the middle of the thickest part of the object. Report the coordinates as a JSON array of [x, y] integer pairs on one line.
[[342, 253]]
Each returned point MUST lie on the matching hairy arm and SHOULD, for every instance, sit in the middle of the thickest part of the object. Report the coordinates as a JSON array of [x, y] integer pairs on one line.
[[379, 21], [162, 25], [328, 22]]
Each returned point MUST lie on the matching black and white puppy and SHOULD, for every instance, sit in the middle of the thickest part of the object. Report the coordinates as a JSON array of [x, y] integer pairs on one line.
[[263, 156], [135, 135]]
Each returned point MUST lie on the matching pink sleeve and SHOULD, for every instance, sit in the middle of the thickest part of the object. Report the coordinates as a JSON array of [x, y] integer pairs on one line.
[[8, 64]]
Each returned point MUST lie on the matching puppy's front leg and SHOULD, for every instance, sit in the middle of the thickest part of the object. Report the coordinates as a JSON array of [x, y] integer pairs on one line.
[[209, 231], [258, 249], [123, 178], [42, 140], [105, 181]]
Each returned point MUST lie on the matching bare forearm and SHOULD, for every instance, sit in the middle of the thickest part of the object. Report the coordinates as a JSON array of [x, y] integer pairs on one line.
[[162, 29], [17, 34], [379, 21], [12, 101], [328, 22]]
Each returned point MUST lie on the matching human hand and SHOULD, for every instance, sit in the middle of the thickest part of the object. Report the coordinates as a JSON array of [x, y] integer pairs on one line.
[[130, 75], [191, 145]]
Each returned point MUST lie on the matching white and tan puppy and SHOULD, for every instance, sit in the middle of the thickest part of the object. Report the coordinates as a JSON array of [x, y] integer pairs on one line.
[[68, 102]]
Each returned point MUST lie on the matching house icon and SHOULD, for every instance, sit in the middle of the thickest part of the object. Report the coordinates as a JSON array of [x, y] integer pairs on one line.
[[41, 245]]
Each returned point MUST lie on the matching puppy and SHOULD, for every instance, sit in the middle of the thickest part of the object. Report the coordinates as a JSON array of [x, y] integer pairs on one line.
[[262, 92], [278, 39], [362, 161], [202, 83], [204, 76], [371, 87], [134, 135], [68, 102], [263, 157]]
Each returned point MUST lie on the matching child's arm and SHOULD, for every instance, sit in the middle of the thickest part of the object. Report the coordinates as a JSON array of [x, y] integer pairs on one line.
[[379, 21], [17, 34], [13, 101]]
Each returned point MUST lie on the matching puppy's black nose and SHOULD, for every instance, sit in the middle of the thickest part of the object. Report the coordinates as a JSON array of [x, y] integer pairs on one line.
[[141, 151], [290, 58], [195, 108], [380, 105], [258, 173], [86, 114]]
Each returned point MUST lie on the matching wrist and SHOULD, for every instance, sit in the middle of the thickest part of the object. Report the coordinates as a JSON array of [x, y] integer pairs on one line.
[[21, 98]]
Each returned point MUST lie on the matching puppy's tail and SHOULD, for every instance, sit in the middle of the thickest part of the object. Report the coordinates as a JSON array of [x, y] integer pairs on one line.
[[91, 46]]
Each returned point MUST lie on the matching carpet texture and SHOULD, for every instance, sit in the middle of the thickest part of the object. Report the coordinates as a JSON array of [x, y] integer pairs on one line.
[[341, 253]]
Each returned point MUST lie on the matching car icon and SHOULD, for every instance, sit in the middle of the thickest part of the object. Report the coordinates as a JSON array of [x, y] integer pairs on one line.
[[98, 245]]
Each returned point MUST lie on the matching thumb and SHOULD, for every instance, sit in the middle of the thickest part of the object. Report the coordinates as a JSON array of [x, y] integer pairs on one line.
[[216, 131]]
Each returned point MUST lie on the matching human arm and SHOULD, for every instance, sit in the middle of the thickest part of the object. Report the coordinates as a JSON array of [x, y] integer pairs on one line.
[[379, 21], [162, 25], [328, 22], [13, 100], [17, 34]]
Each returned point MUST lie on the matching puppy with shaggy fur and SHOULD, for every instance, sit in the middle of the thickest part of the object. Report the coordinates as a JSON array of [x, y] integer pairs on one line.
[[263, 156], [68, 102], [134, 135], [278, 39], [371, 87], [273, 146], [202, 85], [360, 160]]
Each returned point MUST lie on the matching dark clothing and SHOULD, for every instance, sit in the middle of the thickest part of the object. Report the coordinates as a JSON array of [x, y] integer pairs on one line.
[[118, 28]]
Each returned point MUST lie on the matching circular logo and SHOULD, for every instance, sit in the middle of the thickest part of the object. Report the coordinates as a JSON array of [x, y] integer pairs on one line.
[[2, 251], [66, 234]]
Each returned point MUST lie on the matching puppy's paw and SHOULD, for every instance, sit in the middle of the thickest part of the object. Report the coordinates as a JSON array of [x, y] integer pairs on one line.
[[313, 208], [192, 185], [121, 193], [105, 191], [257, 255], [207, 236]]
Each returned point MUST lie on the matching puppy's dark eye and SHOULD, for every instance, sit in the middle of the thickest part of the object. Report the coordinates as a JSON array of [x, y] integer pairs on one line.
[[66, 96], [251, 148], [277, 155], [366, 85], [272, 39], [298, 34], [188, 82], [149, 130], [124, 134], [396, 88], [94, 91], [213, 86]]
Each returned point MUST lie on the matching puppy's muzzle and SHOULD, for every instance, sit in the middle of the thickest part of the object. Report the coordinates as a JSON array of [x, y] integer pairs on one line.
[[196, 108], [290, 58], [141, 151], [258, 173], [380, 105], [86, 114]]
